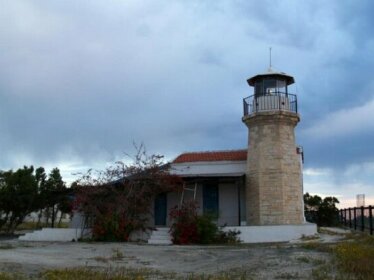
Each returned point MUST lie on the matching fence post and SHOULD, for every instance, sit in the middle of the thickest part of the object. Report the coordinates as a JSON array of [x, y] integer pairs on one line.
[[371, 219], [350, 217], [354, 217], [345, 217], [362, 218]]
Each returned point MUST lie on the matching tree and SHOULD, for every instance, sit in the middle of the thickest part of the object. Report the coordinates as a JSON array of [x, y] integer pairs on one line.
[[28, 190], [321, 211], [312, 203], [54, 194], [117, 201], [328, 212], [41, 179], [19, 193], [65, 205]]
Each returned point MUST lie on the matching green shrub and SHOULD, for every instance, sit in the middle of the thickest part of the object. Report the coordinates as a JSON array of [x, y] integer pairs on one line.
[[228, 237], [207, 230]]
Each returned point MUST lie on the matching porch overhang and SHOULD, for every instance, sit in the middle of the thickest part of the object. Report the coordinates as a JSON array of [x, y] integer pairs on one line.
[[209, 169], [216, 175]]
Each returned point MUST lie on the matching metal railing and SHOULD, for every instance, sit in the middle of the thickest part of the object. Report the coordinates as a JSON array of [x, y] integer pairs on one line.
[[358, 218], [277, 101]]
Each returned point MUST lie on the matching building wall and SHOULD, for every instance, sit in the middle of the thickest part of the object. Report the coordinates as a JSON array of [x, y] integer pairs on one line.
[[274, 190], [228, 204], [228, 190], [243, 202], [209, 168]]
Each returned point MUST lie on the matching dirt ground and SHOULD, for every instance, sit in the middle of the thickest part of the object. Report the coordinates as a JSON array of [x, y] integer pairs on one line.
[[263, 261]]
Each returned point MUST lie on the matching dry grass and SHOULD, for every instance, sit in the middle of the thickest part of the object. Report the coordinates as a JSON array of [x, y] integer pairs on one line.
[[88, 274], [128, 274], [309, 237], [133, 274], [8, 276], [6, 247], [30, 225], [318, 246], [117, 255], [355, 258]]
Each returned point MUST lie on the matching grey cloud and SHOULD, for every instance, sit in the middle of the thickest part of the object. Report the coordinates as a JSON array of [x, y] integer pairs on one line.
[[92, 78]]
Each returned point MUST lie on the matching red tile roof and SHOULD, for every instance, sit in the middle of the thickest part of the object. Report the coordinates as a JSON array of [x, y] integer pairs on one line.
[[233, 155]]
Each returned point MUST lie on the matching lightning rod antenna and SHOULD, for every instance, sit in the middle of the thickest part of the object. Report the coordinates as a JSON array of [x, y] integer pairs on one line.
[[269, 57]]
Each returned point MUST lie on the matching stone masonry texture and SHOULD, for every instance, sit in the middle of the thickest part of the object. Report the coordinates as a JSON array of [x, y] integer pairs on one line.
[[273, 187]]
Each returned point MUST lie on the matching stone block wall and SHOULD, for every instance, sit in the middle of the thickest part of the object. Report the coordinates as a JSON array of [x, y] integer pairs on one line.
[[273, 186]]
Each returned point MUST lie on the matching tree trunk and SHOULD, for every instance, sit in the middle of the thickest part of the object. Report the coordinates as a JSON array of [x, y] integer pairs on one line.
[[47, 213], [53, 217], [59, 221], [40, 214]]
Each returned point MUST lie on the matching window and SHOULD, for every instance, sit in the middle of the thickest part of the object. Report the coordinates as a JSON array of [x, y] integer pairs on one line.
[[270, 86], [258, 88]]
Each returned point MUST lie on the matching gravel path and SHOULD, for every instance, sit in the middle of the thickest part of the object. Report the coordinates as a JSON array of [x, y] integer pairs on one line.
[[265, 261]]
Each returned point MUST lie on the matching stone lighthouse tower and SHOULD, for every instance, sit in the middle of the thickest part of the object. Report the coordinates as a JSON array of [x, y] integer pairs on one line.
[[274, 185]]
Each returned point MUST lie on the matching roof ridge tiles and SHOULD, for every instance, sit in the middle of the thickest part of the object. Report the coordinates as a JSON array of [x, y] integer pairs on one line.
[[215, 151], [219, 155]]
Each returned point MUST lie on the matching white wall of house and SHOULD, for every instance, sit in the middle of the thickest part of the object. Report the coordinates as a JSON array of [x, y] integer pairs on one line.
[[228, 191], [209, 168], [228, 203]]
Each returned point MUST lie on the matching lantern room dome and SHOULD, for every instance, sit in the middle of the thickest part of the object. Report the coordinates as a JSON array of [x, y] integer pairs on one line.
[[271, 75]]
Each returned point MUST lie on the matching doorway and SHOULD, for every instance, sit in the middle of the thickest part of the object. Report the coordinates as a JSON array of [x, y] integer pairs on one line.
[[160, 209], [210, 199]]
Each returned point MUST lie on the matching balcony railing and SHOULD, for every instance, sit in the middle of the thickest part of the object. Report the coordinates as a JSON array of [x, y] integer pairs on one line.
[[277, 101]]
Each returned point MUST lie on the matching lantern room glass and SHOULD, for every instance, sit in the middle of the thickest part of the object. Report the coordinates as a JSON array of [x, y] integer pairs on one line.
[[270, 86]]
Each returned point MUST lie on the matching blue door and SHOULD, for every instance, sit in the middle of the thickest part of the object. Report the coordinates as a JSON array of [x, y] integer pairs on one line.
[[160, 210], [210, 199]]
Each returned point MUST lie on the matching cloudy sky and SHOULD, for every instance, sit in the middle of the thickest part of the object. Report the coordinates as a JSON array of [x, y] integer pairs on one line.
[[80, 81]]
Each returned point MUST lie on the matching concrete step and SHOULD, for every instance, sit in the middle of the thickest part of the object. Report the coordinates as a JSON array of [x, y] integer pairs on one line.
[[160, 236], [160, 233]]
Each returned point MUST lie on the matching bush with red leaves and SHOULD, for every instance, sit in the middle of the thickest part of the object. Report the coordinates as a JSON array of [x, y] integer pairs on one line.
[[184, 228], [115, 202]]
